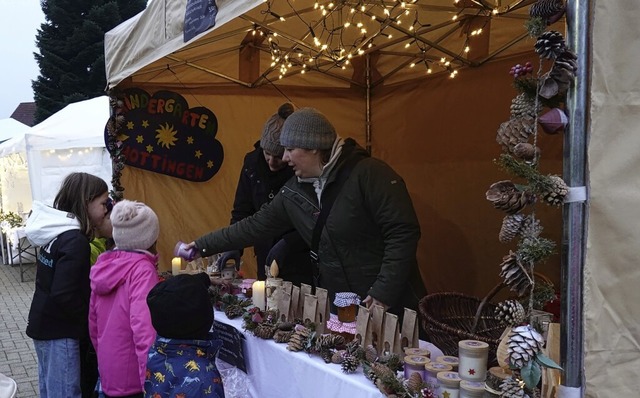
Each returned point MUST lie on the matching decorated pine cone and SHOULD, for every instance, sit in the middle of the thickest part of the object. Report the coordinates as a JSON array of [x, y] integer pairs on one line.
[[523, 346], [550, 44], [349, 364], [515, 131], [505, 196], [382, 371], [326, 354], [523, 105], [511, 225], [566, 60], [414, 383], [526, 151], [264, 331], [549, 10], [512, 388], [510, 312], [531, 227], [514, 274], [557, 192], [282, 336]]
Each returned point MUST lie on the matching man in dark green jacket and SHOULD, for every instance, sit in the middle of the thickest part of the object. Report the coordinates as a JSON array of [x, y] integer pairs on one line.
[[369, 240]]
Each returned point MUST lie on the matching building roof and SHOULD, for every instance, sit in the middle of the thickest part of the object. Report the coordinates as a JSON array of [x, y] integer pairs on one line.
[[25, 113]]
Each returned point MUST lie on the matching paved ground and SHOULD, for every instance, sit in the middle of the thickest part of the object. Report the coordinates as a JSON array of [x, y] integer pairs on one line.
[[17, 356]]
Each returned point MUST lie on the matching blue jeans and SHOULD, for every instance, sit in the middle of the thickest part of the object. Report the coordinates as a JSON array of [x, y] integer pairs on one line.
[[58, 368]]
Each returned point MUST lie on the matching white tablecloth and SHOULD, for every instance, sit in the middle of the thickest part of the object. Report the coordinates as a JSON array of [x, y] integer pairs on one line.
[[14, 235], [273, 371]]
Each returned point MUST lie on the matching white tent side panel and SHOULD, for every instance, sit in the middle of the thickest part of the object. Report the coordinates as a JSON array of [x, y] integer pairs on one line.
[[14, 183], [612, 275]]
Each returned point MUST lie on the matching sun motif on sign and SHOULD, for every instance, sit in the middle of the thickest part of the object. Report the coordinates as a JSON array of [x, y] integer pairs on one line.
[[166, 136]]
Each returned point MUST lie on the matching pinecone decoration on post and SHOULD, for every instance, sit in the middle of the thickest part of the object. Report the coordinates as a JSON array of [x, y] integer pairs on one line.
[[523, 105], [527, 152], [505, 196], [550, 44], [510, 312], [511, 225], [523, 346], [514, 274], [557, 192], [515, 131], [512, 388], [531, 227], [549, 10]]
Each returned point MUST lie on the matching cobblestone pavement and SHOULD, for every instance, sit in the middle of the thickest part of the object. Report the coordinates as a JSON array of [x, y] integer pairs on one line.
[[17, 356]]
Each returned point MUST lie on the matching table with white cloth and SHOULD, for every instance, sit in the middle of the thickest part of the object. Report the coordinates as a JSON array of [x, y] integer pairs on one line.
[[273, 371], [20, 249]]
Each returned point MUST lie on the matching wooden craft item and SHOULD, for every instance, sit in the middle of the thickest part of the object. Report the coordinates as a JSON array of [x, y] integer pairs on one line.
[[273, 292], [304, 290], [284, 306], [376, 324], [390, 335], [322, 313], [363, 331], [294, 308], [287, 286], [310, 307], [409, 332], [550, 376]]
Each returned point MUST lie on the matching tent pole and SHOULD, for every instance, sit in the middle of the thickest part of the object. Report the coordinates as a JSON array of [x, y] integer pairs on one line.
[[368, 103], [575, 213]]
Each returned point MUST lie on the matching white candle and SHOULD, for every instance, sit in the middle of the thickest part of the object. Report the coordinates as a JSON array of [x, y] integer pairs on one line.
[[176, 265], [257, 294]]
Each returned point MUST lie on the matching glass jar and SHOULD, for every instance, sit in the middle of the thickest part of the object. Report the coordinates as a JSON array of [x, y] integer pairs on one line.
[[472, 355], [423, 352], [471, 389], [431, 371], [415, 364], [449, 385], [449, 360]]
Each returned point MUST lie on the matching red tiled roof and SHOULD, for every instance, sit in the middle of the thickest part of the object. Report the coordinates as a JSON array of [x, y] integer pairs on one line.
[[25, 113]]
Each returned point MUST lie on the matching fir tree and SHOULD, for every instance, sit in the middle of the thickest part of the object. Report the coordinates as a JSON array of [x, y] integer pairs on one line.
[[71, 44]]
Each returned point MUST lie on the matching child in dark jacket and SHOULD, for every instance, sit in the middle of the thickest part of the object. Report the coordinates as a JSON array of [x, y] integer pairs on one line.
[[182, 359]]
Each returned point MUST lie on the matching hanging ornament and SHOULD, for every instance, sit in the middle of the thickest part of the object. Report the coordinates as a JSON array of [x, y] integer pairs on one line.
[[524, 344], [514, 274], [553, 121], [515, 131], [506, 196], [510, 312], [511, 225], [550, 44], [557, 191], [549, 10], [526, 151]]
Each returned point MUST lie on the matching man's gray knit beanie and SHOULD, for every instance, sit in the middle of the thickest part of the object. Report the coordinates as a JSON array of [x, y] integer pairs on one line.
[[309, 129]]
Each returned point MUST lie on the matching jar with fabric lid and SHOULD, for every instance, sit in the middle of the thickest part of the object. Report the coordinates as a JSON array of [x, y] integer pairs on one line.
[[347, 304], [423, 352], [415, 364], [431, 371], [449, 385], [471, 389], [473, 355], [449, 360]]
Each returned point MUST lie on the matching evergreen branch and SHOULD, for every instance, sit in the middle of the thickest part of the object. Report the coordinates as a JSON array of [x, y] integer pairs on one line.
[[539, 183], [536, 250]]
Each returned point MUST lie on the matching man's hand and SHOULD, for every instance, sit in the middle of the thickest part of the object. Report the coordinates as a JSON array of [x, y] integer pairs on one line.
[[370, 301]]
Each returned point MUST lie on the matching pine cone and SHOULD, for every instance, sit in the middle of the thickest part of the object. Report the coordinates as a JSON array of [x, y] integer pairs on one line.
[[549, 10], [531, 227], [326, 354], [514, 274], [511, 225], [349, 364], [567, 60], [526, 151], [370, 354], [524, 344], [550, 44], [382, 371], [558, 191], [329, 341], [414, 383], [505, 196], [282, 336], [264, 331], [523, 105], [233, 311], [515, 131], [510, 312], [338, 357], [299, 338], [512, 388]]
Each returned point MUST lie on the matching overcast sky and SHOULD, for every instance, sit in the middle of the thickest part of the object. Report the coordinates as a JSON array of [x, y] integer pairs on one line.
[[19, 22]]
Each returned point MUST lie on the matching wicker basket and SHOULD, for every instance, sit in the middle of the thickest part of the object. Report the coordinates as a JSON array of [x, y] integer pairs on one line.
[[449, 317]]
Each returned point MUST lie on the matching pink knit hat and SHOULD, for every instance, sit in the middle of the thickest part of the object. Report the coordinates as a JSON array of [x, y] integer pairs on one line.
[[135, 225]]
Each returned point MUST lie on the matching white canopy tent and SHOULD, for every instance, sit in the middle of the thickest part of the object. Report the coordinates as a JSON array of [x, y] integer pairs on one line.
[[9, 128], [14, 181]]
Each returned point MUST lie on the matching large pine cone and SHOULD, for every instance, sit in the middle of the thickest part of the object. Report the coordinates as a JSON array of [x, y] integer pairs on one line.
[[514, 274], [512, 388], [505, 196], [550, 44], [567, 60], [515, 131], [510, 312], [558, 191], [282, 336], [523, 346], [523, 105], [511, 225], [329, 341], [349, 364], [299, 339], [549, 10], [233, 311], [264, 331], [414, 383]]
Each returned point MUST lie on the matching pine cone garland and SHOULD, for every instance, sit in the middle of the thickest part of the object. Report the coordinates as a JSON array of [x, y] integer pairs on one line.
[[531, 228], [523, 105], [512, 388], [510, 312], [526, 151], [514, 274], [515, 131], [505, 196], [349, 364], [558, 191], [550, 44], [511, 225], [524, 344], [549, 10]]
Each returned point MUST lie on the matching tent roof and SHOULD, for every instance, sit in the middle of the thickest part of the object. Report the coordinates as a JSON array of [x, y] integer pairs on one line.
[[271, 40], [10, 128]]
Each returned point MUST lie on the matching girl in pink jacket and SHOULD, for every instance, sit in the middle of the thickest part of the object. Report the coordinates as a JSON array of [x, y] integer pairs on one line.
[[119, 321]]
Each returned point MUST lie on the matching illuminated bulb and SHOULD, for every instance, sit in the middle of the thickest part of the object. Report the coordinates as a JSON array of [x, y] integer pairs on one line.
[[353, 10], [495, 11], [347, 24], [407, 45], [452, 75], [363, 31], [447, 63], [411, 27], [359, 25], [330, 5], [299, 55], [455, 17], [466, 49], [369, 45], [52, 151], [373, 17], [389, 36], [360, 52], [404, 4], [273, 64], [344, 67], [362, 8], [280, 77], [398, 22], [346, 62], [275, 34], [324, 12], [442, 59], [412, 65], [406, 12], [479, 30], [303, 71], [429, 70], [315, 5], [289, 65], [324, 47], [386, 11], [253, 33], [349, 56]]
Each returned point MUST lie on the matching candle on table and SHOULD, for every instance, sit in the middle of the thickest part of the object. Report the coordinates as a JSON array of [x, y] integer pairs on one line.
[[176, 265], [258, 294]]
